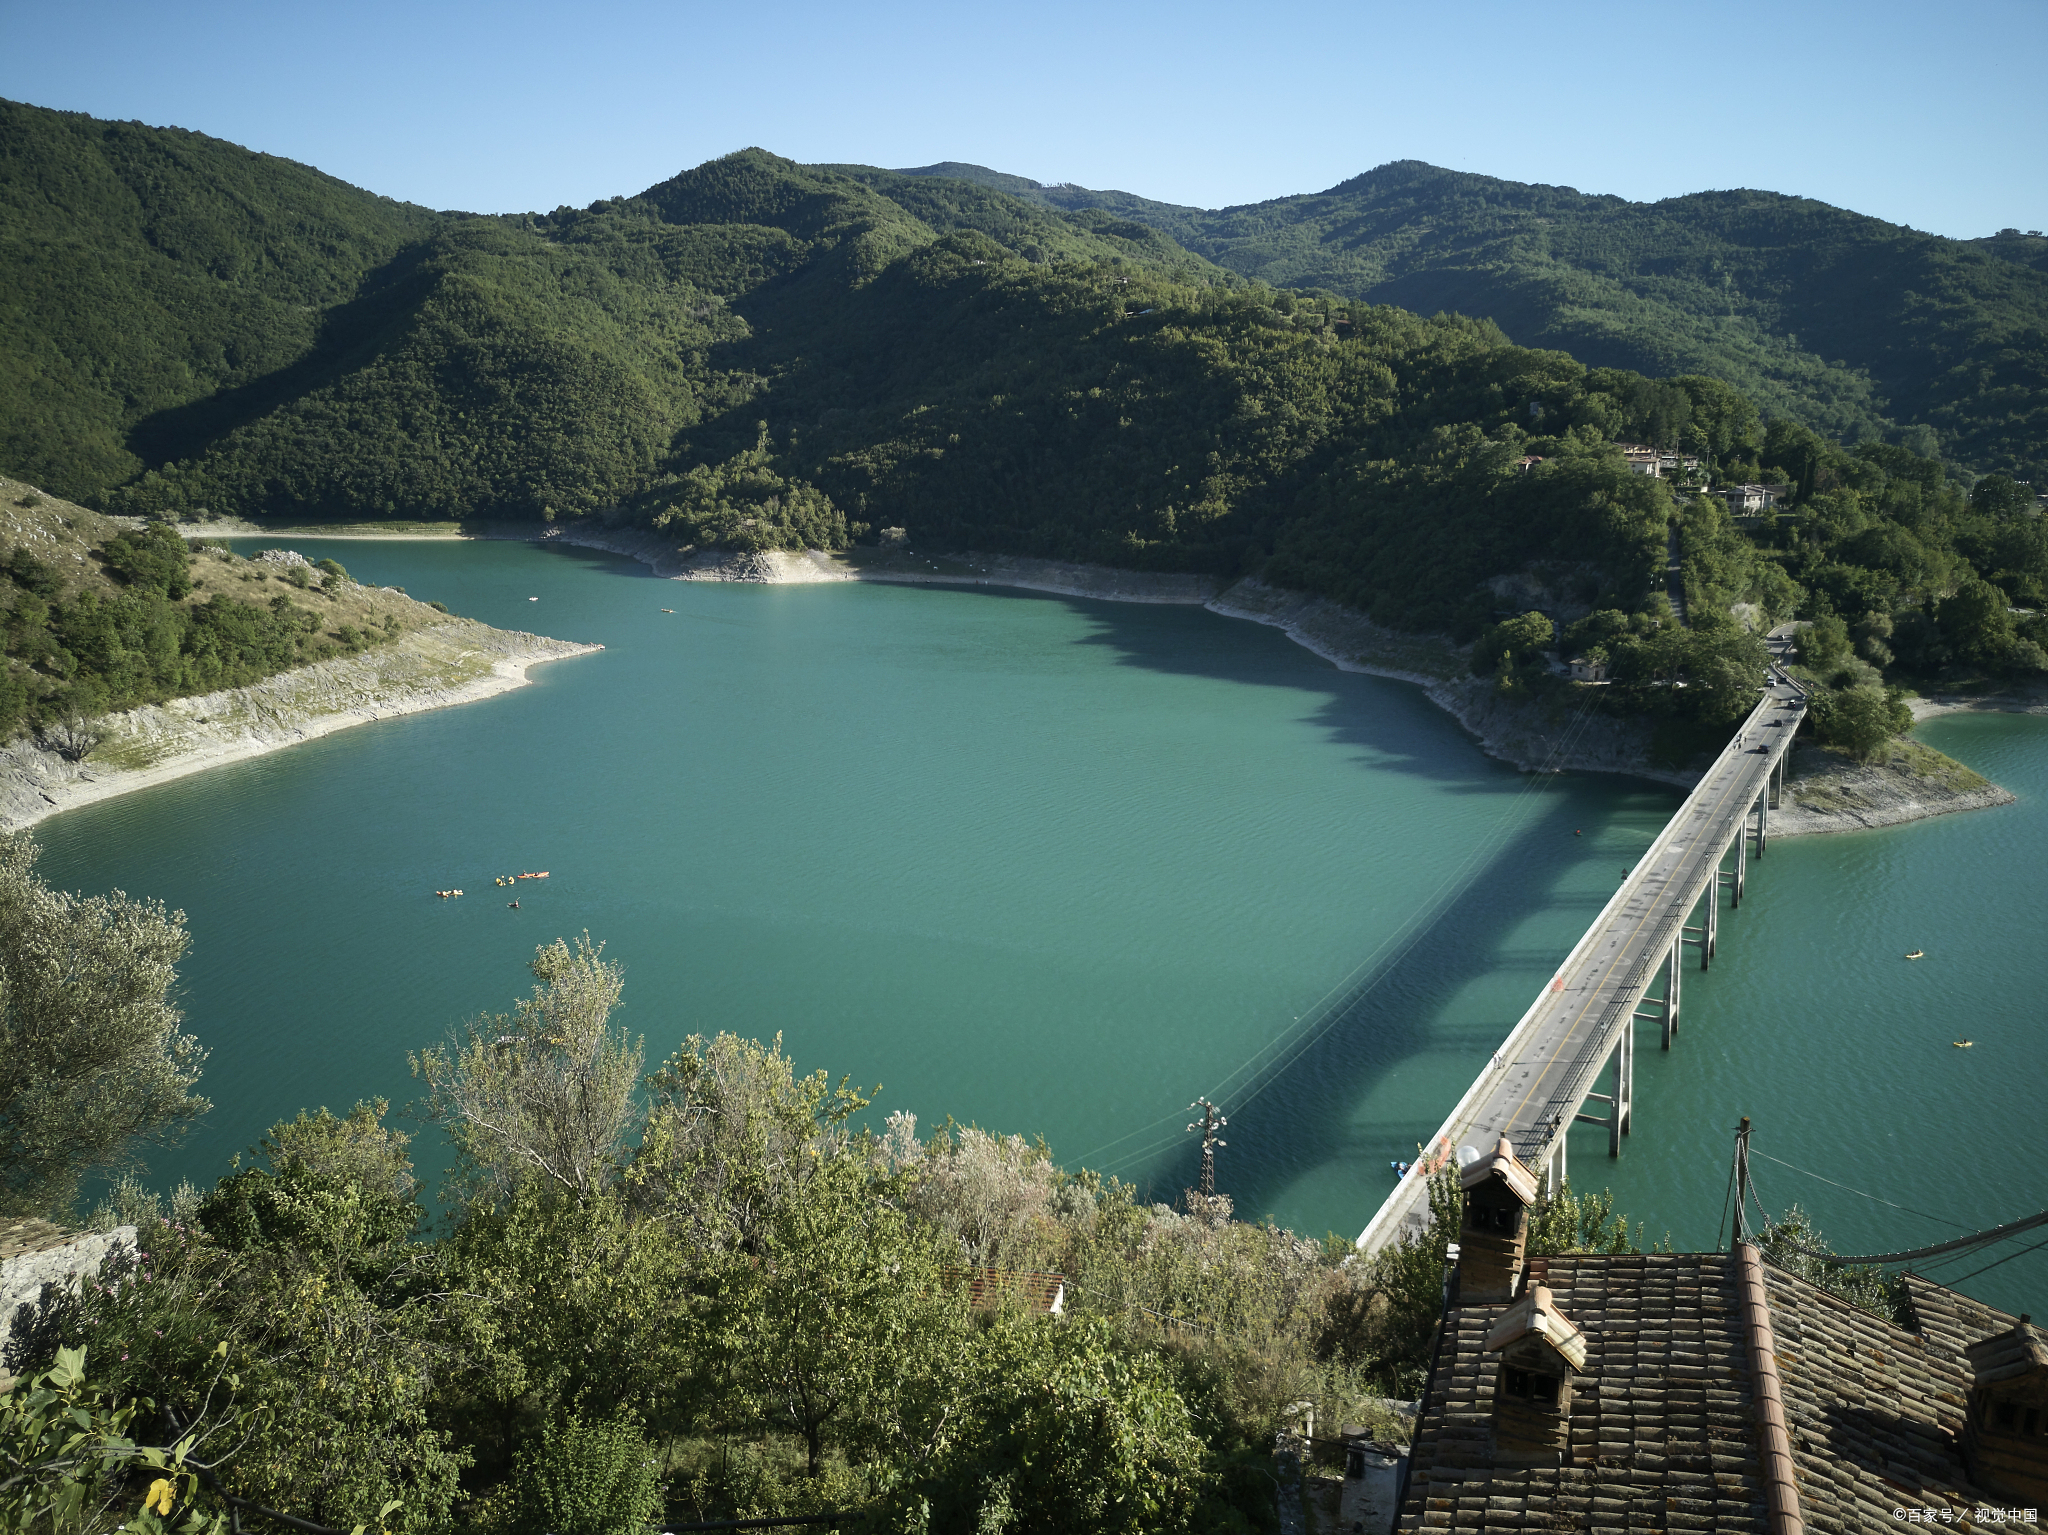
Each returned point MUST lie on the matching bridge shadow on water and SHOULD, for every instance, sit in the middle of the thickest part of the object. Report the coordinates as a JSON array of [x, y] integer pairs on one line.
[[1298, 1115]]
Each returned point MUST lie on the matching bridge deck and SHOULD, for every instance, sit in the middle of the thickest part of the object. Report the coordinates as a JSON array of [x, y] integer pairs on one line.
[[1541, 1075]]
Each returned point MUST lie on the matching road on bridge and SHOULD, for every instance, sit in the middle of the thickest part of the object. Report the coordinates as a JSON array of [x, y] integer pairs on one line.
[[1538, 1080]]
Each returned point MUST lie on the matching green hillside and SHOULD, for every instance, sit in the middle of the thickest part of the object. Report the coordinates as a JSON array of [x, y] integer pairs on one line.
[[1857, 327], [759, 354], [142, 269]]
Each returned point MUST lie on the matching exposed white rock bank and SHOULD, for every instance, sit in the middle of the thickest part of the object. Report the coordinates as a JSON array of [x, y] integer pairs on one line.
[[432, 667]]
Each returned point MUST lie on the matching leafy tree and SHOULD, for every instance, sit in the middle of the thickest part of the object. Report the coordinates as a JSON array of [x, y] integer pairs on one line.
[[733, 1132], [94, 1066], [1401, 1300], [820, 1328], [70, 1463], [545, 1091], [1579, 1223], [338, 1323], [822, 1296], [1860, 720], [1725, 667], [1524, 638], [1794, 1244], [744, 504], [1976, 624], [1998, 496], [1823, 645], [587, 1303], [154, 557], [298, 1282]]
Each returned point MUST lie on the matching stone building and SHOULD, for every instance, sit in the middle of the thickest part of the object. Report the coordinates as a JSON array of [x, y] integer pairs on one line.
[[1713, 1391]]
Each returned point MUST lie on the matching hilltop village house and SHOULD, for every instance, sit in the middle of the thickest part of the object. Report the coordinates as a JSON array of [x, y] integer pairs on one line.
[[1591, 667], [1656, 462], [1751, 500], [1710, 1391]]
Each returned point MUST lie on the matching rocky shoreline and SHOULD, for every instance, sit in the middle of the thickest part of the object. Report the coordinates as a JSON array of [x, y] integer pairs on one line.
[[433, 667], [1830, 792], [1827, 793]]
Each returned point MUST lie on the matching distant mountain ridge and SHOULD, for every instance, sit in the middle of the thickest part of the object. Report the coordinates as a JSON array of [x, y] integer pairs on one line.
[[1858, 327]]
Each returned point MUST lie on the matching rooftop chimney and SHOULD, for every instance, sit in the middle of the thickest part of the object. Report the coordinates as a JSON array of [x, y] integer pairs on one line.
[[1498, 1193]]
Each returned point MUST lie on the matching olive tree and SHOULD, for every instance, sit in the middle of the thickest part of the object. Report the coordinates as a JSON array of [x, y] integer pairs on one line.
[[546, 1091], [824, 1313], [92, 1063]]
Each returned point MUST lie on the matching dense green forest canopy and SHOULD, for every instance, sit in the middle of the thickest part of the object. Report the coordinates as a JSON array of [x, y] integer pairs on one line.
[[1856, 327], [146, 269], [758, 354]]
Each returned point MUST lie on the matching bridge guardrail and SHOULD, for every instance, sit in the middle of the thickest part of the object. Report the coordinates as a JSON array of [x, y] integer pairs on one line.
[[1564, 1102], [1381, 1229]]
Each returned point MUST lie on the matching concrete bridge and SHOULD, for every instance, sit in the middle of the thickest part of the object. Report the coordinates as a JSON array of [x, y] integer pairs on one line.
[[1582, 1026]]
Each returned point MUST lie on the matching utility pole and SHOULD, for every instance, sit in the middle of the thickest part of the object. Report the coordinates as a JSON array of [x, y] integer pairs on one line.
[[1742, 1181], [1209, 1124]]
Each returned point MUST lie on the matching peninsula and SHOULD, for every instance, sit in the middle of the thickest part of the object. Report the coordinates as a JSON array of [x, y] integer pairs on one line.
[[318, 653]]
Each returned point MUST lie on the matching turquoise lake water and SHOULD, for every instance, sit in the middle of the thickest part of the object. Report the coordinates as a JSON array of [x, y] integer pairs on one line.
[[1056, 866]]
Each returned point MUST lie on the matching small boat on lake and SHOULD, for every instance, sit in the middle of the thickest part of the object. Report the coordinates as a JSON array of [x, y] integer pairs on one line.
[[1917, 954], [1964, 1044]]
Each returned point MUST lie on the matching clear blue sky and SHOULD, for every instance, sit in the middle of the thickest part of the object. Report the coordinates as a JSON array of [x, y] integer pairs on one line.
[[1929, 115]]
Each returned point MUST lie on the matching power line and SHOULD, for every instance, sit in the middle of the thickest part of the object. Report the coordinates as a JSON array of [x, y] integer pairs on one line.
[[1994, 1264], [1975, 1239], [1957, 1248], [1938, 1220], [1266, 1065]]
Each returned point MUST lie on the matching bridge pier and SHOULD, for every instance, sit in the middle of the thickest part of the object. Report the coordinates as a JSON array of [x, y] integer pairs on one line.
[[1671, 985], [1666, 1016], [1707, 928], [1621, 1103]]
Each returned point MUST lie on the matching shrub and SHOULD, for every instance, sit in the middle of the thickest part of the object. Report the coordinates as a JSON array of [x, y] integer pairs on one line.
[[587, 1477]]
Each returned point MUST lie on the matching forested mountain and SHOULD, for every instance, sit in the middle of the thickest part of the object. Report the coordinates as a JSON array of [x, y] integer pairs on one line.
[[1852, 325], [143, 269], [756, 354]]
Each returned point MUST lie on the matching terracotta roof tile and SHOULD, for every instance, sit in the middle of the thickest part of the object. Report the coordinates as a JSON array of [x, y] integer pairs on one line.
[[1660, 1432]]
